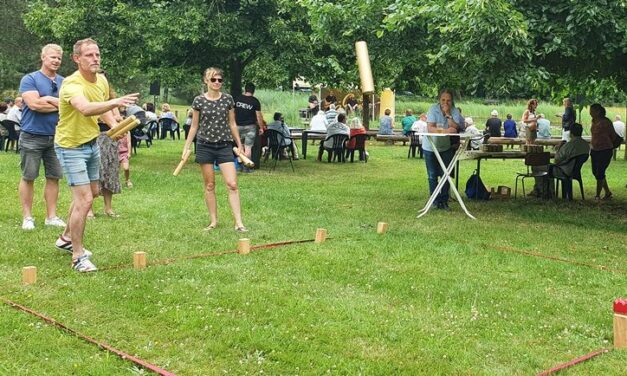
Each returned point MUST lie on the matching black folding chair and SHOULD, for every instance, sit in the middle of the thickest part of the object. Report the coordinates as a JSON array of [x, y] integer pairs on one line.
[[13, 139], [414, 144], [277, 145], [533, 160], [558, 173], [337, 151], [360, 145]]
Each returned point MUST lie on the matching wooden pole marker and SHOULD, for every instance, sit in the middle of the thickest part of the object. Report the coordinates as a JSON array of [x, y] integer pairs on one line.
[[382, 228], [29, 275], [139, 260], [243, 246], [321, 235], [620, 323]]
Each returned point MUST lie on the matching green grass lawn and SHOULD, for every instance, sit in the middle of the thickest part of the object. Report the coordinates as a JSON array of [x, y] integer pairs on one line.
[[438, 295]]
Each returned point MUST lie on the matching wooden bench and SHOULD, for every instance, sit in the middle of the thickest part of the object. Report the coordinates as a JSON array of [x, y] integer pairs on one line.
[[392, 138]]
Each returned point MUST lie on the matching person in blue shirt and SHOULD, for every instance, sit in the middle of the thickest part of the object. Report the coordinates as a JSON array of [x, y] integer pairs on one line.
[[544, 127], [510, 127], [385, 123], [40, 114], [442, 117]]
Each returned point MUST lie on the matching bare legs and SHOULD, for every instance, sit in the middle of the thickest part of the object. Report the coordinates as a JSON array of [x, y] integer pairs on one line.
[[51, 195], [230, 179], [82, 198]]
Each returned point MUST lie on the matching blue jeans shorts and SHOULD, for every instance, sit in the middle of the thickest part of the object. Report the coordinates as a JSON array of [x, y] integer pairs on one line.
[[81, 165]]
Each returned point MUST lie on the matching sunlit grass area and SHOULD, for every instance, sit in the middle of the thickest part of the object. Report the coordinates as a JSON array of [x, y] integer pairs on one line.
[[443, 294]]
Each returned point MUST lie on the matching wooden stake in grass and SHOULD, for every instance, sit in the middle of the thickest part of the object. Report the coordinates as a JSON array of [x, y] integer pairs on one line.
[[620, 323], [29, 275], [139, 260], [382, 228], [243, 246], [321, 235]]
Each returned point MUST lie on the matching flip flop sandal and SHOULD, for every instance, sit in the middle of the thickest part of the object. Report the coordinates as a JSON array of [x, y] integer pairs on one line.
[[241, 229], [210, 227]]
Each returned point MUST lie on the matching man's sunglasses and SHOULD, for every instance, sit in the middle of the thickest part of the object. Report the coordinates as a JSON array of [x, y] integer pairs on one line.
[[216, 80], [54, 86]]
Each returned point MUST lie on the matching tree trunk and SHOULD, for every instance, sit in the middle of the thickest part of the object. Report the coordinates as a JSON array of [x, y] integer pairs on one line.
[[236, 77], [365, 111]]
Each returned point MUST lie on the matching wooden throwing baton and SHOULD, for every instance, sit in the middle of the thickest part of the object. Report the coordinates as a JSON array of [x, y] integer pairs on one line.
[[123, 126], [243, 159], [178, 169]]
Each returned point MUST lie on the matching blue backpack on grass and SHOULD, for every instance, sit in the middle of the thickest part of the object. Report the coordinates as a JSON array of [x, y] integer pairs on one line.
[[475, 189]]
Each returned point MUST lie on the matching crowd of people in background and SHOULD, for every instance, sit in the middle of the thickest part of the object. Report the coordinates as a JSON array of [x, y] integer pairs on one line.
[[63, 124]]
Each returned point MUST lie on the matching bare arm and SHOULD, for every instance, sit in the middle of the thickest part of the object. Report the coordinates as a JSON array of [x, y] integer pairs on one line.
[[87, 108], [43, 104], [259, 118], [234, 131]]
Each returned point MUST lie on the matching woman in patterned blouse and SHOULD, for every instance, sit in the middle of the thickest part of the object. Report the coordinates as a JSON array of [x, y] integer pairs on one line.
[[213, 125]]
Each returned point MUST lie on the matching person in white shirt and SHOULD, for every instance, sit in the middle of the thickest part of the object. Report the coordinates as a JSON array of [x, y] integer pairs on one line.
[[15, 113], [420, 125], [318, 122], [619, 126], [471, 129]]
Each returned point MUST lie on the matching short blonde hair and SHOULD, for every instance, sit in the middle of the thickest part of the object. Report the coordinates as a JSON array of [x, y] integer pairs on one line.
[[211, 72], [79, 45], [165, 107], [49, 47]]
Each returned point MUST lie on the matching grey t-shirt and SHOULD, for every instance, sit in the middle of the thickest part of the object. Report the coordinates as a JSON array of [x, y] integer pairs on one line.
[[213, 125]]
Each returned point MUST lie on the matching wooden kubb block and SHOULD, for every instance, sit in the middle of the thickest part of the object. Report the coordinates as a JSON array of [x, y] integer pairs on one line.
[[321, 235], [243, 246], [139, 260], [29, 275], [620, 324], [382, 228]]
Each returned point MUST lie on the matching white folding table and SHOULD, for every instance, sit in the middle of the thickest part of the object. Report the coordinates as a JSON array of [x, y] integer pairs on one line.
[[465, 138]]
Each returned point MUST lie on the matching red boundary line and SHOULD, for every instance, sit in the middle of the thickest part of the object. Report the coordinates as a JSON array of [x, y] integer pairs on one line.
[[208, 254], [573, 362], [91, 340], [554, 258]]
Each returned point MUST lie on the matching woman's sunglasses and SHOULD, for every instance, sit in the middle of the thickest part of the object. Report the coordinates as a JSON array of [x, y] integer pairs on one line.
[[216, 80]]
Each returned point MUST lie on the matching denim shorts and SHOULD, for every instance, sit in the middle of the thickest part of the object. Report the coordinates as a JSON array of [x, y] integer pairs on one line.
[[81, 165], [220, 152], [33, 149], [247, 134]]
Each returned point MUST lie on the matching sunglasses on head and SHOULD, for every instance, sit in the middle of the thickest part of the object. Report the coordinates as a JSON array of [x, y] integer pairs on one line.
[[216, 80], [54, 86]]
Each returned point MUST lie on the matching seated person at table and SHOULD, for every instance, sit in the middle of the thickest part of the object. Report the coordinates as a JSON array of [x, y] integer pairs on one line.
[[331, 114], [493, 124], [408, 121], [312, 104], [420, 125], [510, 127], [573, 148], [318, 122], [385, 123], [355, 129], [544, 127], [471, 129], [336, 128], [279, 125]]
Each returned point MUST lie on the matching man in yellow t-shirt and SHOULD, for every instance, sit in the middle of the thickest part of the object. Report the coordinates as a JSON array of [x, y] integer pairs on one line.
[[83, 98]]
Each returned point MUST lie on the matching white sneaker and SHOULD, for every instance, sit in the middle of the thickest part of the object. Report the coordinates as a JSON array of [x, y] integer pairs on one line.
[[55, 221], [83, 265], [28, 223], [66, 245]]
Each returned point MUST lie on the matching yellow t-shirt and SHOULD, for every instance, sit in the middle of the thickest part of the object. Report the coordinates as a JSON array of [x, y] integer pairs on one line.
[[74, 129]]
